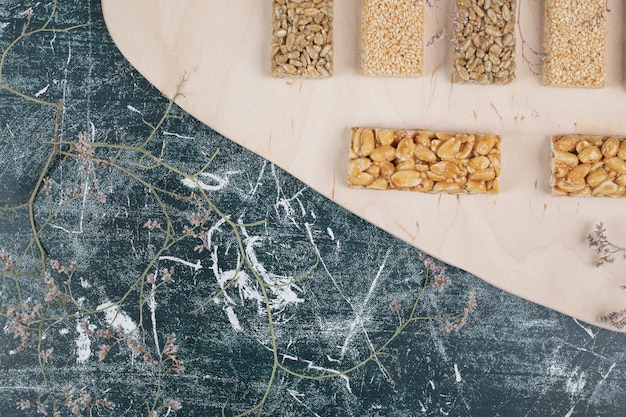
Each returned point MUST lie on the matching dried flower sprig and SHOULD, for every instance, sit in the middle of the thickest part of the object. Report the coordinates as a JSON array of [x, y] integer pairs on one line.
[[76, 406], [606, 251], [461, 321], [615, 319], [7, 259], [437, 273], [603, 247], [171, 353]]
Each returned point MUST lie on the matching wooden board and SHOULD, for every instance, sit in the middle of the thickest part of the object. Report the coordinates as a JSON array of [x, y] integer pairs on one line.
[[523, 240]]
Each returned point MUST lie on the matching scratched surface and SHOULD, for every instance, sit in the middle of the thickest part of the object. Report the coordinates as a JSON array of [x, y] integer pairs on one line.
[[512, 358]]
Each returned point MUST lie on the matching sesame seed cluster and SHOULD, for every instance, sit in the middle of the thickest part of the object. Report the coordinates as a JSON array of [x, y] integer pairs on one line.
[[575, 43], [392, 38]]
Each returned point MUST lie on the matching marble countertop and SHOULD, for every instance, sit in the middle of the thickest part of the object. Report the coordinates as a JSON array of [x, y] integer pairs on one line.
[[151, 263]]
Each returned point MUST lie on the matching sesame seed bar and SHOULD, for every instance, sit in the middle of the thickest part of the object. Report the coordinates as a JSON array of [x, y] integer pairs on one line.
[[302, 38], [585, 165], [418, 160], [575, 43], [392, 38], [484, 41]]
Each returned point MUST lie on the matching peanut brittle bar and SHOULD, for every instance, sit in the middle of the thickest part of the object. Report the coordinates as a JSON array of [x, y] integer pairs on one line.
[[418, 160], [588, 166]]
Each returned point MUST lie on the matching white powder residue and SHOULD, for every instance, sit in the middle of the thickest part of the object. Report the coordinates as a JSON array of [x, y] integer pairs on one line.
[[117, 318], [217, 183], [195, 266], [575, 383], [83, 343], [556, 369], [282, 296], [42, 91], [152, 304], [457, 374], [232, 318], [587, 329], [131, 108]]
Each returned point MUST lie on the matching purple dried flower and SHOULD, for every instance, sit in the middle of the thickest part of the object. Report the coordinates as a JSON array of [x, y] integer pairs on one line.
[[603, 247], [616, 319]]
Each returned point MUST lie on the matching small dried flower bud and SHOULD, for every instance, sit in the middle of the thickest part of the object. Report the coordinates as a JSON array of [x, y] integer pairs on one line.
[[173, 404], [45, 355], [152, 224], [107, 404], [42, 408], [441, 281], [196, 219], [167, 276], [147, 357], [23, 405], [103, 351], [84, 326], [47, 187], [7, 259], [47, 278], [54, 264]]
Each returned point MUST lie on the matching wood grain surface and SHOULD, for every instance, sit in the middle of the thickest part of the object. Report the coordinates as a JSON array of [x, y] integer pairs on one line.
[[523, 240]]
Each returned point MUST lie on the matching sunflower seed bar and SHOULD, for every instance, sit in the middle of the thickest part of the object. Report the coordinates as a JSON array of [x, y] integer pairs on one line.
[[302, 38], [418, 160], [575, 43], [392, 33], [588, 166], [484, 41]]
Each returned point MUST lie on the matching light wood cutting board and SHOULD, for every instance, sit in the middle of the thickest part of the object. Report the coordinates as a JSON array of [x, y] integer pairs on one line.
[[523, 240]]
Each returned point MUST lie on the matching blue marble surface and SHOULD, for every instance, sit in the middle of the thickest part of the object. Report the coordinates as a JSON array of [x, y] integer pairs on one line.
[[281, 302]]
